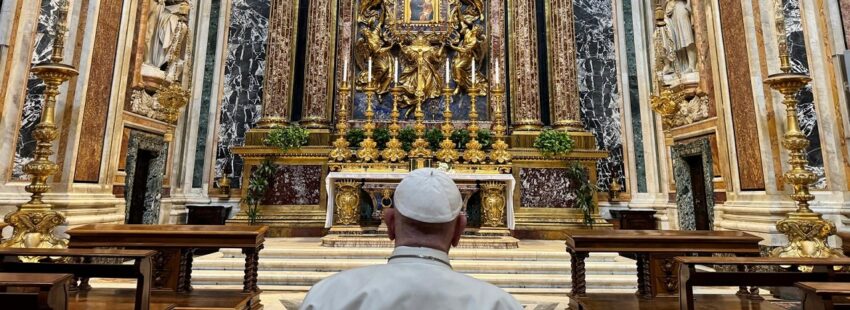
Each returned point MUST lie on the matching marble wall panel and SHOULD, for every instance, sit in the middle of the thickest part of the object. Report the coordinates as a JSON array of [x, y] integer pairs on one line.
[[743, 107], [806, 109], [545, 188], [845, 20], [682, 177], [206, 94], [634, 98], [140, 141], [243, 81], [597, 79], [295, 186], [99, 91], [34, 100]]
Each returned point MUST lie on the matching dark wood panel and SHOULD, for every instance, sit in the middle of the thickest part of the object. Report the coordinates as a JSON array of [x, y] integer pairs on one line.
[[99, 91], [741, 100]]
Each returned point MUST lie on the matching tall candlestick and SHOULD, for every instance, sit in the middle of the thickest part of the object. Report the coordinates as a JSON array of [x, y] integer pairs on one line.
[[448, 73], [370, 70], [345, 71], [473, 71], [396, 70]]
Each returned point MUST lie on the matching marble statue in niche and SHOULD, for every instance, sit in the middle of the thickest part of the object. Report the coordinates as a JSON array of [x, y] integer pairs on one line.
[[165, 38], [676, 41]]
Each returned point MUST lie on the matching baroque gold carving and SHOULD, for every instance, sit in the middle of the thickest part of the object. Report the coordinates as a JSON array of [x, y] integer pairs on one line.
[[35, 220], [473, 153], [447, 152], [347, 200], [806, 230], [493, 204], [394, 151], [341, 152]]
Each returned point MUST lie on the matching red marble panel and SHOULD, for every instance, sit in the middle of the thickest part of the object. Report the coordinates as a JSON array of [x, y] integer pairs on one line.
[[741, 96], [295, 186], [100, 83]]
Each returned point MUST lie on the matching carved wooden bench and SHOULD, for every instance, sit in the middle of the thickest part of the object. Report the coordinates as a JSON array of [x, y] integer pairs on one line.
[[34, 290], [820, 295], [690, 276], [139, 270]]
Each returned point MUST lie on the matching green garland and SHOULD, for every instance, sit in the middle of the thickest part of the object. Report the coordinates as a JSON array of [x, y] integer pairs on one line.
[[554, 143], [258, 186], [585, 191]]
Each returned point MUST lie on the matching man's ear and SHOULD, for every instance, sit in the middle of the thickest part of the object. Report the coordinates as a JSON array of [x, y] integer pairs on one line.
[[389, 219], [460, 226]]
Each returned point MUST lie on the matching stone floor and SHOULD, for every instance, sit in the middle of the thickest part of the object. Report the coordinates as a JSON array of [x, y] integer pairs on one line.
[[537, 273]]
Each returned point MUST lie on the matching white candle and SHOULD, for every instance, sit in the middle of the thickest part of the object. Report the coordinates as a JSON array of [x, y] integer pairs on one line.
[[396, 70], [345, 71], [473, 71], [496, 75], [370, 70], [448, 73]]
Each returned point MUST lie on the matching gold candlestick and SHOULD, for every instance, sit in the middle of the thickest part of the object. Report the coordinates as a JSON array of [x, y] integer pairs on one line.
[[806, 230], [421, 147], [500, 153], [447, 152], [473, 153], [368, 147], [395, 149], [341, 151], [35, 220]]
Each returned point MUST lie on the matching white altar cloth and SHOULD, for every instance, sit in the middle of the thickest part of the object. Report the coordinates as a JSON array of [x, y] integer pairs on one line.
[[392, 176]]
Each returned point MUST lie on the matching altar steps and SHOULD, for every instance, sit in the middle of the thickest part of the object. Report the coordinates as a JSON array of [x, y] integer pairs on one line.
[[537, 267]]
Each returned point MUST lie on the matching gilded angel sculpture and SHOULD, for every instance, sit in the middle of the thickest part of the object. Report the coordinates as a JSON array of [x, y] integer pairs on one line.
[[468, 49], [370, 44]]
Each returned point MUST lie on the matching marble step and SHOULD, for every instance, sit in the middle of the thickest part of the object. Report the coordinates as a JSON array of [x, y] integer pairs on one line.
[[467, 266], [306, 278], [383, 253]]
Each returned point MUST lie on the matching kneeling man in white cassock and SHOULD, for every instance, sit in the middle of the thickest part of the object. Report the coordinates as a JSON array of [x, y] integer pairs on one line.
[[425, 223]]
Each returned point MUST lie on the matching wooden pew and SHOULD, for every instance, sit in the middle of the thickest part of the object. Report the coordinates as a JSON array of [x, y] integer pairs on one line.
[[689, 276], [50, 290], [139, 270], [819, 295]]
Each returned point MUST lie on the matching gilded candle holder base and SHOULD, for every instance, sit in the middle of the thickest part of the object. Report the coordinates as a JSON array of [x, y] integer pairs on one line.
[[394, 152]]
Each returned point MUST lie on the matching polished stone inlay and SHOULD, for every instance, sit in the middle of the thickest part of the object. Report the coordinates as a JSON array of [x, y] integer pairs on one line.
[[806, 109], [206, 94], [31, 114], [243, 82], [545, 188], [598, 91], [634, 98], [295, 186], [684, 185], [143, 142]]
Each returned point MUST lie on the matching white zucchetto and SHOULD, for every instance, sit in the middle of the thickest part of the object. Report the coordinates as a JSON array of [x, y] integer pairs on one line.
[[428, 195]]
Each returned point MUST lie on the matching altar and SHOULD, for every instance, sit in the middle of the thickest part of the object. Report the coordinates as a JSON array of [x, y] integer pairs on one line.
[[418, 84], [494, 202]]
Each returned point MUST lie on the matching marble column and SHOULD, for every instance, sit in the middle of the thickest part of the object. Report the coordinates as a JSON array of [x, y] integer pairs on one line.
[[524, 77], [563, 89], [845, 20], [320, 63], [280, 61], [497, 45], [344, 41]]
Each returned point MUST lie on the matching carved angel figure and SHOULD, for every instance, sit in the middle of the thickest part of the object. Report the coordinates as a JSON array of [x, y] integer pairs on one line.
[[371, 44], [468, 49]]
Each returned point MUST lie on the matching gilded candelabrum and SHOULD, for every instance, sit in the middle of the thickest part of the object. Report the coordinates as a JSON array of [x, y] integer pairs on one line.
[[473, 153], [368, 147], [421, 148], [341, 151], [35, 220], [394, 152], [172, 98], [447, 152], [499, 154], [806, 230]]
